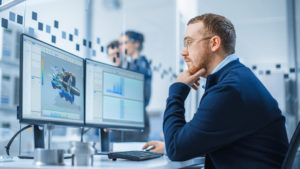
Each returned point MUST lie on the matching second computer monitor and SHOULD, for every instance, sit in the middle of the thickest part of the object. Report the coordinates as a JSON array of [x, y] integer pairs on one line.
[[114, 96]]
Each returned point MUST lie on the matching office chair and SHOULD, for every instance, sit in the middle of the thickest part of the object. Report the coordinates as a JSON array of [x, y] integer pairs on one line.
[[293, 147]]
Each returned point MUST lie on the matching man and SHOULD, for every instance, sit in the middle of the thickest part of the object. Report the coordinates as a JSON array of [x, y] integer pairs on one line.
[[238, 123], [130, 46], [114, 53]]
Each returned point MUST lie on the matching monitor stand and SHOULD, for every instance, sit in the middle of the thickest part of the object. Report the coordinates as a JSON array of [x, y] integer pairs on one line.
[[49, 127], [104, 141], [38, 132]]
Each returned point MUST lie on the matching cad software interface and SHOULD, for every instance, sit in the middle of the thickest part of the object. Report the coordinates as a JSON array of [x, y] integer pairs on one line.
[[114, 96], [53, 83]]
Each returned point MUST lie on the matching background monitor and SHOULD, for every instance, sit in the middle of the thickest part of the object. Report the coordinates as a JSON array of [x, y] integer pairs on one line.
[[52, 84], [114, 96]]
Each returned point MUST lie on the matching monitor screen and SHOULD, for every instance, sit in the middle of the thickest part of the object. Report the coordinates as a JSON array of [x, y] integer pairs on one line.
[[114, 96], [52, 84]]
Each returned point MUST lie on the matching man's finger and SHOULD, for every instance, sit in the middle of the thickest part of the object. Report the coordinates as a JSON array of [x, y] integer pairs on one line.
[[200, 72], [194, 87], [150, 143], [146, 145]]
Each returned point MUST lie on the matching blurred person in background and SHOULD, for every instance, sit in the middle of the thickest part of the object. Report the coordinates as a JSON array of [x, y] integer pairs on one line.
[[130, 47], [114, 53]]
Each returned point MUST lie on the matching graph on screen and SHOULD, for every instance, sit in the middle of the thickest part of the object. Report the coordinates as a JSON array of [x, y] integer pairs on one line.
[[120, 99]]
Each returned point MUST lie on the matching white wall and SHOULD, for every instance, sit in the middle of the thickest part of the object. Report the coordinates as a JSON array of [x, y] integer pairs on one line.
[[70, 14], [261, 28]]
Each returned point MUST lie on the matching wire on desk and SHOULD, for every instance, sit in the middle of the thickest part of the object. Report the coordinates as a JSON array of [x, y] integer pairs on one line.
[[31, 157], [25, 157], [101, 153], [7, 147]]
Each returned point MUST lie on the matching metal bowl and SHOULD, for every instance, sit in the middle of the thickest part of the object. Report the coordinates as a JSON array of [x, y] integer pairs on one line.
[[48, 157]]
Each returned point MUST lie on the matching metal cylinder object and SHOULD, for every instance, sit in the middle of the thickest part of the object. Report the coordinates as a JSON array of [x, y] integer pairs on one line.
[[82, 153], [48, 157]]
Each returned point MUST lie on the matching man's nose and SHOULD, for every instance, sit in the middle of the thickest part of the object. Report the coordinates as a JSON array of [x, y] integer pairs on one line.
[[184, 52]]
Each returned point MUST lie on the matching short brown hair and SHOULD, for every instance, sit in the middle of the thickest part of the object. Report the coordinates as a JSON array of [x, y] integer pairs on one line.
[[112, 45], [220, 26]]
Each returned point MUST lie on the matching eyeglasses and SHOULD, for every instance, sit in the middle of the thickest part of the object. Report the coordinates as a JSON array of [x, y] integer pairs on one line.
[[125, 42], [187, 42]]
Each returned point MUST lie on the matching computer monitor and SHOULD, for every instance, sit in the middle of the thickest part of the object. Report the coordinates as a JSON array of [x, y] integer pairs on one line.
[[114, 97], [52, 84]]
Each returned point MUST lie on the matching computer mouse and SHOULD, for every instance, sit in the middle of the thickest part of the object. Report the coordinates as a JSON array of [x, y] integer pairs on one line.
[[149, 148]]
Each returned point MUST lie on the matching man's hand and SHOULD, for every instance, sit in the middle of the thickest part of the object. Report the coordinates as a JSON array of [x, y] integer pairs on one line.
[[191, 79], [158, 146], [107, 130]]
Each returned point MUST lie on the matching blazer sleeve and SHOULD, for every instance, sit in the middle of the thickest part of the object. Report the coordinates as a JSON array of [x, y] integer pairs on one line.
[[218, 121]]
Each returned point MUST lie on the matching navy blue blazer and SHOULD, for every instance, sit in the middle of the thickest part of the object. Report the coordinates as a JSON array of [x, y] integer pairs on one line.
[[238, 123]]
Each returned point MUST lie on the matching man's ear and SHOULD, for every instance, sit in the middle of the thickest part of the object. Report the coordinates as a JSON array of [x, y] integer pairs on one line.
[[215, 43], [136, 45]]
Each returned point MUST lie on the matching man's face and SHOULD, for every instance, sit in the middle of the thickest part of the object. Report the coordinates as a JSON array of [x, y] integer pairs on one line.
[[114, 56], [126, 46], [196, 52]]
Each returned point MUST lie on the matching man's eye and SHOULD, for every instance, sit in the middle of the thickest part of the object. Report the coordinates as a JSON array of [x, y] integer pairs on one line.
[[187, 43]]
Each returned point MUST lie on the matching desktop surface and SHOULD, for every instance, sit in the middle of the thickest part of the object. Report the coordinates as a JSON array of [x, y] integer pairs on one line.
[[103, 162]]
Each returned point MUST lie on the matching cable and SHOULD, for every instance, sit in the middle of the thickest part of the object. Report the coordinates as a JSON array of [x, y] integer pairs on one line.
[[7, 147], [83, 132], [101, 153], [87, 130]]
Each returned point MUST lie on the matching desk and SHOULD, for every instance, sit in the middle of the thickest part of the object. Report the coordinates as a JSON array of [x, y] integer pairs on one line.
[[104, 162]]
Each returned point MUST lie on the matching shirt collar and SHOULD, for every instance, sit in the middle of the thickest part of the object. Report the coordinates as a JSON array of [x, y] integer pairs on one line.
[[227, 60]]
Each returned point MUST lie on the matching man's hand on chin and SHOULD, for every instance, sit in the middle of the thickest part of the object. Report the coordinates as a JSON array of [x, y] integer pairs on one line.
[[191, 79]]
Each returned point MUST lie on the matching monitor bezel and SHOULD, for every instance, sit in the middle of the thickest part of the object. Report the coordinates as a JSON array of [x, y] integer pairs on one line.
[[43, 121], [109, 125]]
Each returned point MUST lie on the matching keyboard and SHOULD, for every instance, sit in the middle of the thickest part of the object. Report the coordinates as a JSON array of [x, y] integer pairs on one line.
[[133, 155]]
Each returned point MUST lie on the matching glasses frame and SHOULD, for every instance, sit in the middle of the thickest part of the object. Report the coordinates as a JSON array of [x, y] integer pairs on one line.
[[188, 42]]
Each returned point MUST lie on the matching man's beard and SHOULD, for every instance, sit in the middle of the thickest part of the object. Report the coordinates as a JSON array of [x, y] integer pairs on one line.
[[194, 68]]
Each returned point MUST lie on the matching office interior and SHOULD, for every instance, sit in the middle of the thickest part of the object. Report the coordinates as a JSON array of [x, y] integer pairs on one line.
[[268, 42]]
